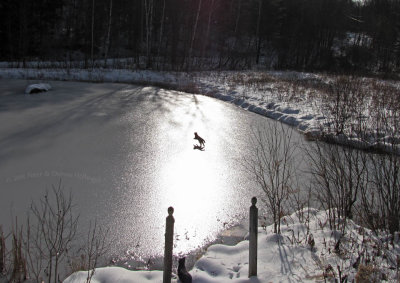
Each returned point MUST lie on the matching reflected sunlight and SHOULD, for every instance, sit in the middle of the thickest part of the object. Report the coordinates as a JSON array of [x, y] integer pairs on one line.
[[164, 170], [191, 186]]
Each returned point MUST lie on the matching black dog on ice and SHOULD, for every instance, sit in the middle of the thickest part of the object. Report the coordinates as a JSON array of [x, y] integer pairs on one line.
[[200, 139], [183, 275]]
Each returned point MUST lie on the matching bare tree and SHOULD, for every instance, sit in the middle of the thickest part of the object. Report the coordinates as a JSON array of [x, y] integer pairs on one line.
[[45, 243], [386, 185], [271, 165], [19, 270], [34, 254], [95, 248], [55, 227], [13, 265], [343, 97], [339, 174]]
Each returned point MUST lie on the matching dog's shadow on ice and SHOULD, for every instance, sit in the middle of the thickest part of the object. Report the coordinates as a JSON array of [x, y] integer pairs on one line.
[[199, 147]]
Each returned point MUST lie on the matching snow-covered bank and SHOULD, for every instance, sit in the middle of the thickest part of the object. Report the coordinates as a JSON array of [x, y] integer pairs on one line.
[[305, 251], [294, 98]]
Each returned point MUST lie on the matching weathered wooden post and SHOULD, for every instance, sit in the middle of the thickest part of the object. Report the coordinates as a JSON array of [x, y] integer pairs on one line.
[[169, 238], [253, 238]]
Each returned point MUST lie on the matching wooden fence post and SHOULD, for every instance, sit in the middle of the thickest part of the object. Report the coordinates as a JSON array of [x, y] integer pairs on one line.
[[169, 238], [253, 238]]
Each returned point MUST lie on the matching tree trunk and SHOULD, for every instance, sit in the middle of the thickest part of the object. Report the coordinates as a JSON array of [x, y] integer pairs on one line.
[[149, 7], [161, 30], [107, 45], [23, 31], [206, 40], [194, 35], [238, 16], [258, 37], [92, 33]]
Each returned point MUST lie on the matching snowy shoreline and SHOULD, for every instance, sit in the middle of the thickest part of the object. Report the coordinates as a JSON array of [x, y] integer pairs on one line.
[[287, 257], [306, 118]]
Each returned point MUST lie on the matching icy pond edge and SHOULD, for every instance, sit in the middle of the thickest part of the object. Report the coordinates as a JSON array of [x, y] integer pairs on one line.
[[308, 123]]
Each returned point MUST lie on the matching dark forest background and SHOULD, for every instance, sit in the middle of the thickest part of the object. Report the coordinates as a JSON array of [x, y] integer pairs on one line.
[[334, 35]]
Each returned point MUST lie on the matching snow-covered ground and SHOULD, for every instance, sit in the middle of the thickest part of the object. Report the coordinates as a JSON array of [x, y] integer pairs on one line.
[[351, 111], [305, 251]]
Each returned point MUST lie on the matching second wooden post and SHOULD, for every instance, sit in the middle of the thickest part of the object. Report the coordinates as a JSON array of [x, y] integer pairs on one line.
[[253, 238], [169, 241]]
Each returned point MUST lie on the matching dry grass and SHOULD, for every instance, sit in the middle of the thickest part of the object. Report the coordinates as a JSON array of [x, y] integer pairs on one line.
[[368, 274]]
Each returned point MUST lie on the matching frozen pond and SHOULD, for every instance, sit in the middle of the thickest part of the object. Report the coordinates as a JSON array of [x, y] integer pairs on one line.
[[126, 154]]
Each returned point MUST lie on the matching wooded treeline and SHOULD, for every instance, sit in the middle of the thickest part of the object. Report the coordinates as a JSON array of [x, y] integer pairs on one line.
[[335, 35]]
